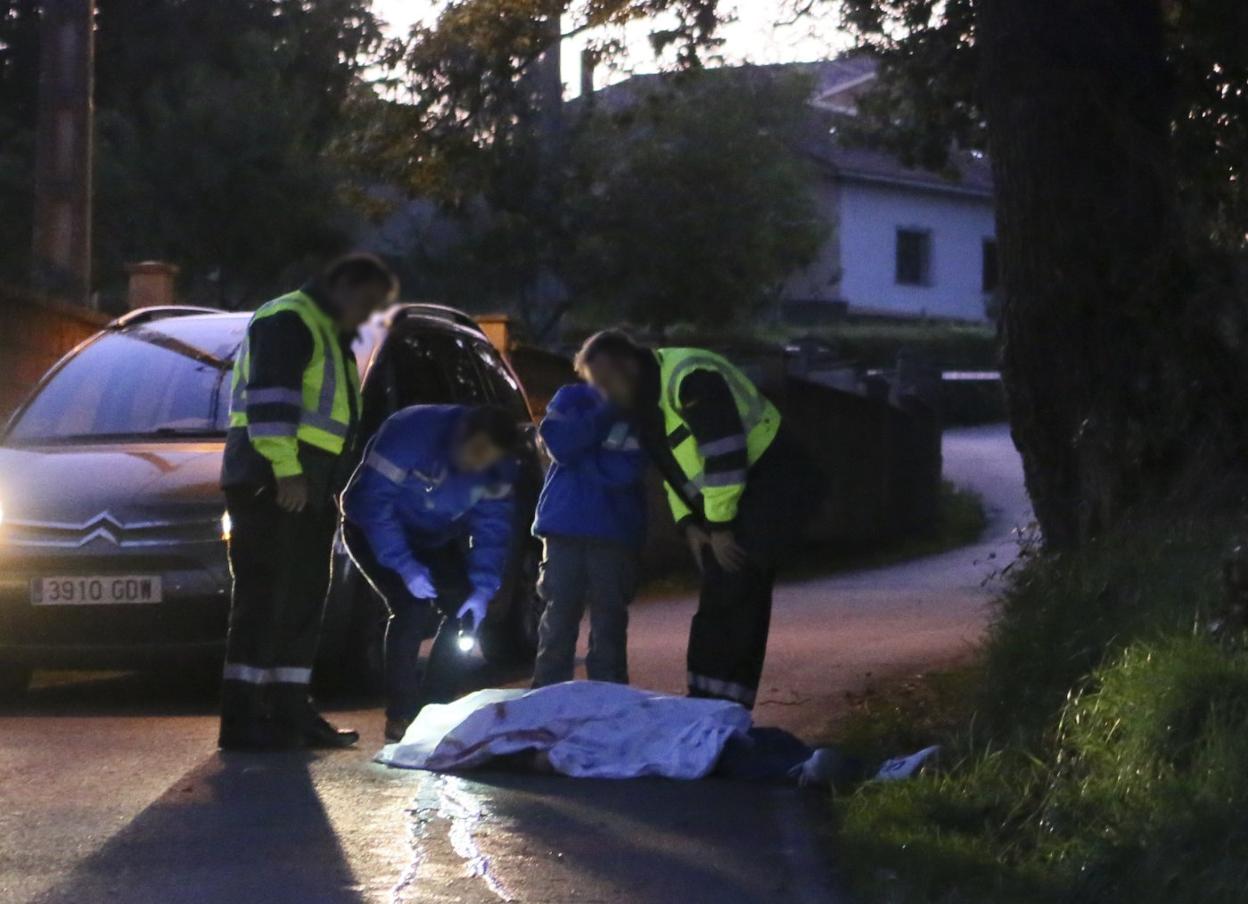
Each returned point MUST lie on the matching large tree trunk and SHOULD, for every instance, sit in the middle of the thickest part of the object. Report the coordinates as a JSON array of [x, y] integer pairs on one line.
[[1078, 108]]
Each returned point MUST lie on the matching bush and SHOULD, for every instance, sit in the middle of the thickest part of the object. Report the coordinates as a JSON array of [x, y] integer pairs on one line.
[[1107, 759], [1062, 615], [950, 346]]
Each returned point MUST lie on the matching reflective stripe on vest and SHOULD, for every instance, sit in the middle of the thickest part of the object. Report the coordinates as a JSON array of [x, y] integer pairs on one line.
[[759, 417], [329, 382]]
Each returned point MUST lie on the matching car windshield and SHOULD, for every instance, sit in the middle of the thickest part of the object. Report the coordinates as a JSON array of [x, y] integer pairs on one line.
[[165, 380]]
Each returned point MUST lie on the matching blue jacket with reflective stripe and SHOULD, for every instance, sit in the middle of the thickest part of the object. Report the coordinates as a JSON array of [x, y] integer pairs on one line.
[[595, 486], [405, 497]]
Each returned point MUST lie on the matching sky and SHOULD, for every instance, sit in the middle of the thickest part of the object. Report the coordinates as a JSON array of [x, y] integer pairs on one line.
[[754, 37]]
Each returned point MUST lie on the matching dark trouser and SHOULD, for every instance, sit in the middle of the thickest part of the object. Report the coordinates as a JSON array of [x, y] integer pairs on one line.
[[412, 621], [762, 755], [728, 639], [577, 571], [281, 564]]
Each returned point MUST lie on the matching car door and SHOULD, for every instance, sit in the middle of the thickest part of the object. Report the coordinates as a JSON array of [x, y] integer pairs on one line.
[[421, 366]]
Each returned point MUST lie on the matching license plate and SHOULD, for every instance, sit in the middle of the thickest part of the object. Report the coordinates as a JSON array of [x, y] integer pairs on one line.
[[95, 590]]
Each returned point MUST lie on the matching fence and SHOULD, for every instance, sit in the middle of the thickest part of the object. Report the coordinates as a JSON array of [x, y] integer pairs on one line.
[[881, 460]]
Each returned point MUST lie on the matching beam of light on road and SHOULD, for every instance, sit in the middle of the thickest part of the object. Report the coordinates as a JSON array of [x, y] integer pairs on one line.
[[445, 801], [465, 811]]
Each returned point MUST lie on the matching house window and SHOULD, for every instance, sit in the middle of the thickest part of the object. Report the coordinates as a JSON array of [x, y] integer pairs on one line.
[[991, 274], [914, 256]]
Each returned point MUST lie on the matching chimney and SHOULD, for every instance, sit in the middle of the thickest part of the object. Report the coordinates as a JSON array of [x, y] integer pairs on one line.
[[152, 284], [589, 65]]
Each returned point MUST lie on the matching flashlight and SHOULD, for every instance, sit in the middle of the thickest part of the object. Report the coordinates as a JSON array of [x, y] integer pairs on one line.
[[467, 638]]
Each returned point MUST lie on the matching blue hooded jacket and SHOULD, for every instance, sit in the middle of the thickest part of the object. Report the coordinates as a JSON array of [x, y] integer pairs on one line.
[[595, 486], [406, 496]]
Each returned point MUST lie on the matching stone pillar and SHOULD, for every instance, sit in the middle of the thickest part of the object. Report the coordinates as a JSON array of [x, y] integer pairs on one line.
[[497, 328], [152, 285], [61, 263]]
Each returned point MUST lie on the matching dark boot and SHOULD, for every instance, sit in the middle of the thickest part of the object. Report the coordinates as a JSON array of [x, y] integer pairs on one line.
[[295, 718], [244, 725], [322, 735]]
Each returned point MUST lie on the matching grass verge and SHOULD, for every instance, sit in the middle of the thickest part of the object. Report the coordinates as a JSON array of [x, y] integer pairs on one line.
[[1096, 752]]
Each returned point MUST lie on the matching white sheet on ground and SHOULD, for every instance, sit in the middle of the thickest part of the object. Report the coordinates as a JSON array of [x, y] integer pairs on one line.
[[588, 729]]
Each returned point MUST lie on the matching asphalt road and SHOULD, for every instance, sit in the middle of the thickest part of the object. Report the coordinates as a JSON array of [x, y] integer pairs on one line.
[[110, 789]]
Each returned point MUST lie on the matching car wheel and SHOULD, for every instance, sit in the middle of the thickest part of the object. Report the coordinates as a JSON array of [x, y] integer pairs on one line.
[[14, 681]]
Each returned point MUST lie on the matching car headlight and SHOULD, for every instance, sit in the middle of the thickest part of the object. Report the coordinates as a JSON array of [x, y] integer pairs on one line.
[[227, 526]]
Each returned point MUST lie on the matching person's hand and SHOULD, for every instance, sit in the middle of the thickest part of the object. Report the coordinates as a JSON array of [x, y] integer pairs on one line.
[[420, 585], [727, 551], [698, 540], [292, 493], [477, 606]]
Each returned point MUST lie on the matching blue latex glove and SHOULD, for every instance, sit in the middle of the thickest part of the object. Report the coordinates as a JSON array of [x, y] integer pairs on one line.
[[420, 585], [477, 606]]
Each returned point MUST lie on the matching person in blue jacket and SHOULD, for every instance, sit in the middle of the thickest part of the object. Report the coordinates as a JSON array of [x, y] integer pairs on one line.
[[591, 518], [429, 521]]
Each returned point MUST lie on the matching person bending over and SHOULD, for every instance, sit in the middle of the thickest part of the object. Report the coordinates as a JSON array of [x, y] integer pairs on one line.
[[429, 521], [738, 485]]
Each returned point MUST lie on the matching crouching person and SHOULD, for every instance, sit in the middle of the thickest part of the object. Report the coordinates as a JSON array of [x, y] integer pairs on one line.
[[591, 518], [429, 521]]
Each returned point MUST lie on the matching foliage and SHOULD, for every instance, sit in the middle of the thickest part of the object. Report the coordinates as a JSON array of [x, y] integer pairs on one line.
[[1101, 755], [474, 83], [695, 202], [926, 101], [19, 66], [876, 344], [689, 200], [214, 120]]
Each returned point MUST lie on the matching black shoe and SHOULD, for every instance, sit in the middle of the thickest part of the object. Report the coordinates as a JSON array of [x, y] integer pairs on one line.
[[319, 734], [295, 717], [395, 729]]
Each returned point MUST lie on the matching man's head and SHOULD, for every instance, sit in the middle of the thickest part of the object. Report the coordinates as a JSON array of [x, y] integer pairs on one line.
[[611, 362], [355, 286], [487, 435]]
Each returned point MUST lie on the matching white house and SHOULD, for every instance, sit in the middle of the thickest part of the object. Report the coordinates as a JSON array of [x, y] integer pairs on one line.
[[903, 242]]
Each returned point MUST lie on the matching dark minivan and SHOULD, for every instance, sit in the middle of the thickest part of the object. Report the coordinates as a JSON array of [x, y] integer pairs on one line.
[[112, 527]]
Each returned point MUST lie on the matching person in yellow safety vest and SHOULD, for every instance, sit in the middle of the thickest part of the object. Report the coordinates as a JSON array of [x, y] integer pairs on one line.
[[737, 484], [294, 411]]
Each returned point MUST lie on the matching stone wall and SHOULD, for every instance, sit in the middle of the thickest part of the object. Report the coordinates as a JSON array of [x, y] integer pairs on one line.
[[33, 337]]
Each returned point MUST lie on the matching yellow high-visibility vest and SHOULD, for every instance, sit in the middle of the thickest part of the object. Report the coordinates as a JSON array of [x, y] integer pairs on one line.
[[331, 382], [720, 492]]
